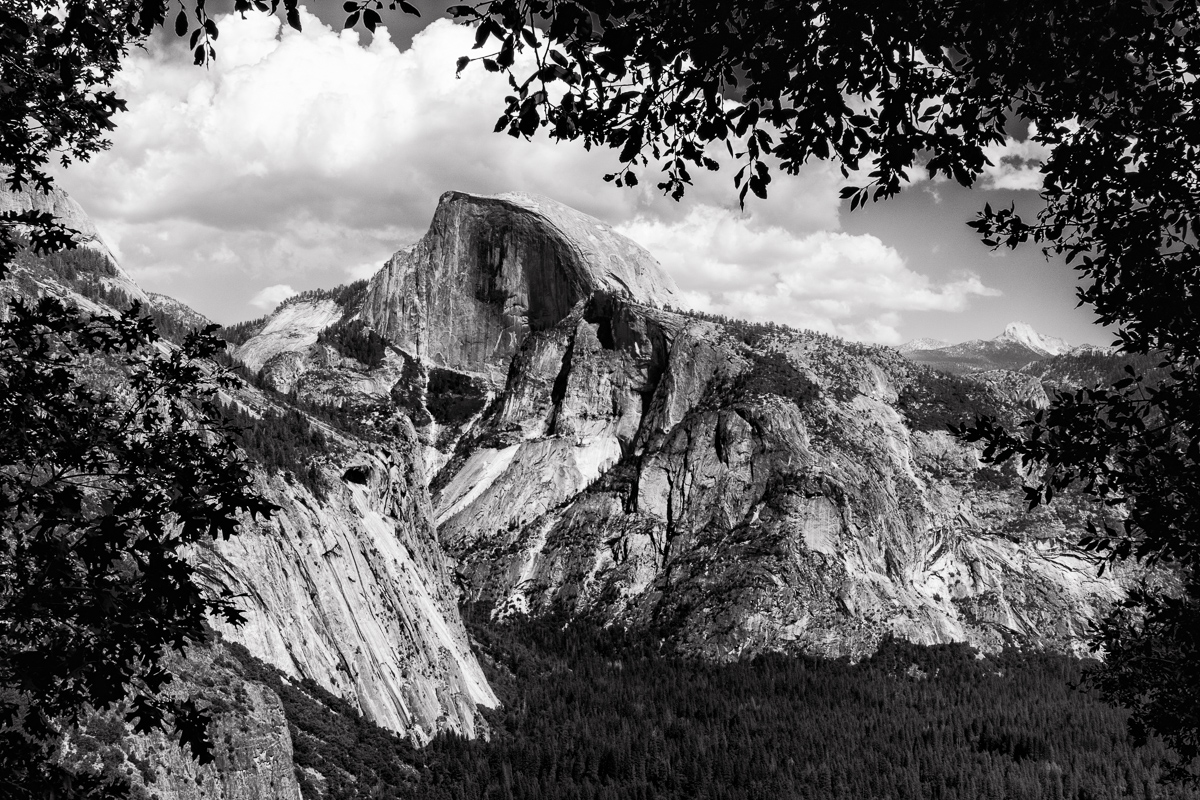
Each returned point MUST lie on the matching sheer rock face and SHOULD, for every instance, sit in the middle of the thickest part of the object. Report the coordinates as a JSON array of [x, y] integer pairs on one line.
[[349, 589], [659, 472], [57, 203], [352, 591], [491, 270]]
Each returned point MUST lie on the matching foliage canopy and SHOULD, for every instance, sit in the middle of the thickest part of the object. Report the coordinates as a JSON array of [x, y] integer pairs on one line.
[[114, 460], [882, 87]]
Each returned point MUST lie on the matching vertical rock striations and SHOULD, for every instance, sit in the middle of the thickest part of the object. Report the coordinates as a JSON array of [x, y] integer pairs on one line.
[[346, 585], [491, 270], [352, 591], [736, 488], [742, 493]]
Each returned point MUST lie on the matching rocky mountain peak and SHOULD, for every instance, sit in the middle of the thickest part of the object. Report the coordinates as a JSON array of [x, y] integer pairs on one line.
[[102, 272], [1023, 333], [923, 344], [1013, 349], [491, 270], [56, 202]]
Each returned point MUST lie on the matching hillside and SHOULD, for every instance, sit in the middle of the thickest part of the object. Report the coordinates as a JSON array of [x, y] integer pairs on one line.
[[345, 586], [733, 488], [510, 413]]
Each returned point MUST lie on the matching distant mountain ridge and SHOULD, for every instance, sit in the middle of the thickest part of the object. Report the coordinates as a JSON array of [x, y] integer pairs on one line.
[[1018, 346]]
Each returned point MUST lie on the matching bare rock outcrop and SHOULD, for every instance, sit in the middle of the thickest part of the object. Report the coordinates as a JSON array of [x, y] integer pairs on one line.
[[491, 270], [661, 472], [1015, 387], [293, 328], [345, 585], [351, 590], [69, 213], [252, 745]]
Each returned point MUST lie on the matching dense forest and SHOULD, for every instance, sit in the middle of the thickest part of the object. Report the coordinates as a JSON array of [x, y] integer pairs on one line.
[[592, 714], [282, 442], [754, 333], [355, 340], [936, 400]]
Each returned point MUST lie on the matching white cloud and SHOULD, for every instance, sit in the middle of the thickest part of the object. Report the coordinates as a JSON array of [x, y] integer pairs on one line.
[[304, 155], [271, 296], [851, 285], [306, 158], [1016, 164]]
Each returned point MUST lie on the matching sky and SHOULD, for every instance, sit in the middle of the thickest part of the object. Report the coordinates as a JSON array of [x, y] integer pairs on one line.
[[300, 160]]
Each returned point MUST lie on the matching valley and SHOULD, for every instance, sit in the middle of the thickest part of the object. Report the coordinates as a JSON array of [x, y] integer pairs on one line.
[[512, 416]]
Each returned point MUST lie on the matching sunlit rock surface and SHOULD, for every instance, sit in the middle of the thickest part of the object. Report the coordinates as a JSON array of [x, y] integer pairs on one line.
[[293, 328], [69, 213], [735, 490], [493, 269], [349, 588], [660, 472], [542, 426], [352, 591]]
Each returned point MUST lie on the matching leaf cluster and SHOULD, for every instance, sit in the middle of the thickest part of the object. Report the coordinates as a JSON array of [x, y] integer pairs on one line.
[[114, 458]]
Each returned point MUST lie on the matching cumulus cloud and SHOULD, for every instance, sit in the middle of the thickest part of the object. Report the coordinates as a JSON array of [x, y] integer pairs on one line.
[[305, 155], [851, 285], [271, 296], [1016, 164], [305, 158]]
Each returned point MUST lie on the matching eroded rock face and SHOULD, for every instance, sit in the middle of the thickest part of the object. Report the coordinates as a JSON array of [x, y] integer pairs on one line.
[[56, 202], [292, 329], [352, 591], [659, 472], [68, 212], [1016, 387], [349, 588], [491, 270]]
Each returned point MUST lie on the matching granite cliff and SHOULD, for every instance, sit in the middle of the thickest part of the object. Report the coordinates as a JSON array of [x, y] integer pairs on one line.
[[730, 487], [491, 270], [510, 412], [741, 493], [345, 586]]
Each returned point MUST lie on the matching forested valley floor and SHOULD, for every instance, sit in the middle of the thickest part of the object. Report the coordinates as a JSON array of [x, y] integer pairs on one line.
[[590, 715]]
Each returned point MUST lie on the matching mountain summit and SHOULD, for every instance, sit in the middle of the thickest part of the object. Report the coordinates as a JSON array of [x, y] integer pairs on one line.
[[1016, 347], [1023, 333], [492, 270]]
